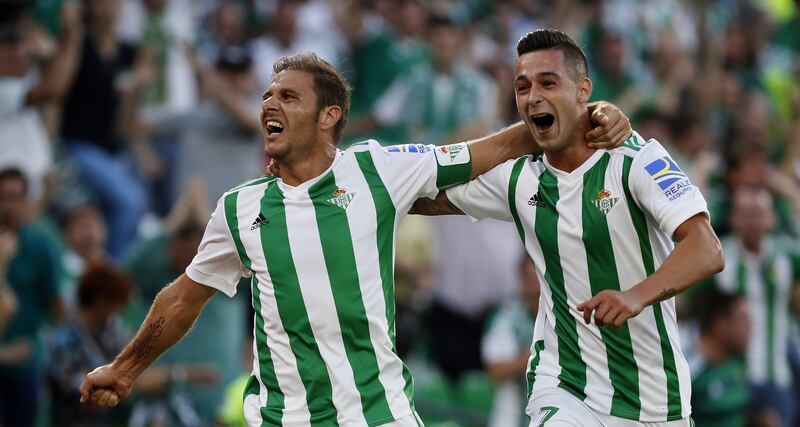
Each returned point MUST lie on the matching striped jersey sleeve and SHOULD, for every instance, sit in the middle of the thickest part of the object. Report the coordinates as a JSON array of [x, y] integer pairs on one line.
[[217, 262], [487, 195], [662, 189], [411, 171]]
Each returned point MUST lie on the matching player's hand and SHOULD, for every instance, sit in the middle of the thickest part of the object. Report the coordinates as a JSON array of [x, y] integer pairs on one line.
[[611, 308], [105, 386], [274, 168], [611, 126]]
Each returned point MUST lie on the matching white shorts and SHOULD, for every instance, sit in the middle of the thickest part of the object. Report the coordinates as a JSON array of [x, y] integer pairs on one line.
[[556, 407]]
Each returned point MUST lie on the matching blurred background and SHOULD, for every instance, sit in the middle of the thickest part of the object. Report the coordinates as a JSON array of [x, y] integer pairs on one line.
[[123, 121]]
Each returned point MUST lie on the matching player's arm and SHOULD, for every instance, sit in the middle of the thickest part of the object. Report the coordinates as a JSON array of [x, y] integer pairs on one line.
[[172, 314], [611, 130], [697, 256]]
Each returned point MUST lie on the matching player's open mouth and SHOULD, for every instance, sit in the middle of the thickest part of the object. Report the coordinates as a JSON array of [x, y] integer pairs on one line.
[[274, 127], [543, 121]]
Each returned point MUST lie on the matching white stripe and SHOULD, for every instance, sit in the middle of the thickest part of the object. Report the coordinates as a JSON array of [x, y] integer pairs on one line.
[[283, 359], [315, 287], [365, 247]]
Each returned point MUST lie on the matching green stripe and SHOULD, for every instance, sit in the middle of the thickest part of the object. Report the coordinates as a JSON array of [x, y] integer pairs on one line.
[[386, 215], [252, 387], [573, 368], [272, 411], [512, 195], [231, 216], [771, 293], [259, 180], [340, 261], [741, 276], [674, 407], [603, 275], [292, 310], [538, 346], [449, 175]]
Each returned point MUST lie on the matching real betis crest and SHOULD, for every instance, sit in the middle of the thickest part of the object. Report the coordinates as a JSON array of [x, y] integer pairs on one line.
[[452, 150], [604, 201], [341, 198]]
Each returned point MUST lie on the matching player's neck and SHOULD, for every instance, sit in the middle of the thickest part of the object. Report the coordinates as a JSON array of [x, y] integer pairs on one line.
[[753, 246], [307, 167], [577, 151]]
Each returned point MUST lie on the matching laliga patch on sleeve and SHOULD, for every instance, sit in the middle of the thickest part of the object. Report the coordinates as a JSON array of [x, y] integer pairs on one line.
[[407, 148], [669, 177], [454, 154]]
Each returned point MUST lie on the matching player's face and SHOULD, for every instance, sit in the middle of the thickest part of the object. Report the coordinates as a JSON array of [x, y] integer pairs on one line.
[[548, 99], [289, 115]]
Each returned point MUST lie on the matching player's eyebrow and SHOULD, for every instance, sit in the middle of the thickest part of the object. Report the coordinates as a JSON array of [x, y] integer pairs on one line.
[[545, 74], [522, 78]]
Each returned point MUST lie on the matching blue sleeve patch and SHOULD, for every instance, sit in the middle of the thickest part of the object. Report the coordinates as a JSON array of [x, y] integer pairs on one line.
[[665, 172], [408, 148]]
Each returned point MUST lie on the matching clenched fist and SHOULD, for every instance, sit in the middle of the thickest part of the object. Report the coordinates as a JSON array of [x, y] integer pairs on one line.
[[106, 386]]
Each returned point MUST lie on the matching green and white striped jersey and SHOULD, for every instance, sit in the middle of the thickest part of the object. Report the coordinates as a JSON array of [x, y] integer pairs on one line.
[[606, 225], [321, 258], [766, 281]]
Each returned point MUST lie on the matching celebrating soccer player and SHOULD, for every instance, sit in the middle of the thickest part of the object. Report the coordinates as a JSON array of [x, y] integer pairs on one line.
[[599, 225]]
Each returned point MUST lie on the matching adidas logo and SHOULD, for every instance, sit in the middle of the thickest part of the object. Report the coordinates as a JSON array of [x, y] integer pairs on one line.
[[536, 201], [259, 221]]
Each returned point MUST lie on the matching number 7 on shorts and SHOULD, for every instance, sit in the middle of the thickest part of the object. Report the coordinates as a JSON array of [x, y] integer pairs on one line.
[[548, 411]]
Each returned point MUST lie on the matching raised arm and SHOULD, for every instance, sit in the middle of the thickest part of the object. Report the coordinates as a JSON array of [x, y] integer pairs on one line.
[[697, 256], [172, 314]]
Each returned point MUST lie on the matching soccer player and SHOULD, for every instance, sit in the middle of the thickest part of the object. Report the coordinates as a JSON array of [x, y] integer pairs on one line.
[[318, 243], [599, 225]]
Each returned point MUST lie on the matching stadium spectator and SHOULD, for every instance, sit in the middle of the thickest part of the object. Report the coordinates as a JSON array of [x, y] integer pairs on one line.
[[92, 334], [85, 236], [506, 348], [385, 46], [31, 273], [287, 37], [719, 375], [24, 87], [95, 113], [222, 126], [764, 269]]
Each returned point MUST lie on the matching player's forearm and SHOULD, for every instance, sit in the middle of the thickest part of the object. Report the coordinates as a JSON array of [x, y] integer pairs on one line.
[[171, 316], [696, 257], [441, 205], [509, 143]]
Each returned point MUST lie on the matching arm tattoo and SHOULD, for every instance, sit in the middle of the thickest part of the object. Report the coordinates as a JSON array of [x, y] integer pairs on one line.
[[144, 344], [666, 294]]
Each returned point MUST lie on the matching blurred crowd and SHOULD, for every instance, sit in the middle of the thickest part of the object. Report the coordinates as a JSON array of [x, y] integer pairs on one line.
[[123, 121]]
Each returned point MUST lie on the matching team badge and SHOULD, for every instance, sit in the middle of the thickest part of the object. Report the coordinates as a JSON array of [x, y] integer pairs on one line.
[[604, 201], [452, 150], [341, 198]]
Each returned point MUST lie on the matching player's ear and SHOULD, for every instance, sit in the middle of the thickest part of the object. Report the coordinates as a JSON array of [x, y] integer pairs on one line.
[[584, 90], [329, 116]]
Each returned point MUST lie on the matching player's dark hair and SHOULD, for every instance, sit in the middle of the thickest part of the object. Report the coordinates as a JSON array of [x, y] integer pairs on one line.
[[104, 284], [716, 305], [331, 87], [543, 39], [14, 174]]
